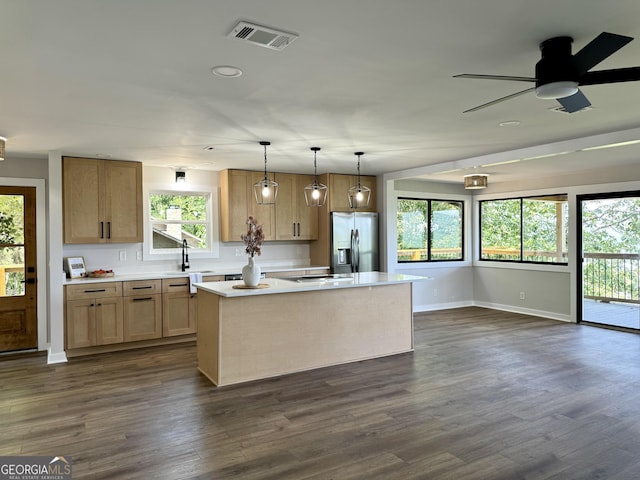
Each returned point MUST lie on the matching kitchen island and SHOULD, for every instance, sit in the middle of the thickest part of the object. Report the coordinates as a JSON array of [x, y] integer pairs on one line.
[[294, 324]]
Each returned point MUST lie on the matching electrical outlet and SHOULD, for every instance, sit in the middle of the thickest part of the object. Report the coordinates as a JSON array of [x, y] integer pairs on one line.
[[138, 255], [123, 255], [239, 252], [435, 292], [522, 295]]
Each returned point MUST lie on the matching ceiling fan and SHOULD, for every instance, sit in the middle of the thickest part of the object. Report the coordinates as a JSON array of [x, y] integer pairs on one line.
[[559, 73]]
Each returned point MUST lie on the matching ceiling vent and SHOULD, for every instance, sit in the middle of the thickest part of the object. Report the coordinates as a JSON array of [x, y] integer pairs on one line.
[[263, 36]]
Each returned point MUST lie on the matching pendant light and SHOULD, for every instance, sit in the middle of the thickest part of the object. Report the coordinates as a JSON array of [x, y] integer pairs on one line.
[[315, 194], [359, 195], [265, 190]]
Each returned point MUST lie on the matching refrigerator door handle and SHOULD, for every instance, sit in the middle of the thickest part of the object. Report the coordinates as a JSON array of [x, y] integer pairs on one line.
[[353, 245], [357, 250]]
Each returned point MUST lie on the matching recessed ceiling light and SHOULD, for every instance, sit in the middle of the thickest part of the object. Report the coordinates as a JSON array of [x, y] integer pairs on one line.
[[226, 71], [510, 123], [103, 155], [208, 147]]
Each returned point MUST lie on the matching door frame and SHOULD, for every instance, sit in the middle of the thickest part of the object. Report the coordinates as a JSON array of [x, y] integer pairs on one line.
[[42, 253], [579, 252]]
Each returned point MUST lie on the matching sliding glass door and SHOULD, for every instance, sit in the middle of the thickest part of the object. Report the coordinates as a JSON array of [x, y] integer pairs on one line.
[[610, 259]]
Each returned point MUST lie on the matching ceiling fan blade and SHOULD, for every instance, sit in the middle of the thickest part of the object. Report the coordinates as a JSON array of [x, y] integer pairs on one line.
[[574, 103], [495, 77], [617, 75], [502, 99], [598, 49]]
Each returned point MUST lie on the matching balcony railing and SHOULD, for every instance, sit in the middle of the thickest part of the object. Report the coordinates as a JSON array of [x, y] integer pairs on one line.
[[611, 277]]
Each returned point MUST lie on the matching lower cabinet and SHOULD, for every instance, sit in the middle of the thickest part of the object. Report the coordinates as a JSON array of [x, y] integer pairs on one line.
[[94, 315], [179, 308], [142, 310]]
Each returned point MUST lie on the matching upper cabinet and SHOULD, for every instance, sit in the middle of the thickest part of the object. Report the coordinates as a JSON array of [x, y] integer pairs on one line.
[[102, 201], [291, 219], [338, 199], [237, 203], [294, 220]]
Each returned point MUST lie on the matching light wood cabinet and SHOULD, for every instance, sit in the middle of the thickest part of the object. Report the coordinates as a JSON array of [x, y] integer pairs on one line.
[[294, 220], [93, 315], [179, 308], [142, 310], [339, 185], [102, 201], [237, 203]]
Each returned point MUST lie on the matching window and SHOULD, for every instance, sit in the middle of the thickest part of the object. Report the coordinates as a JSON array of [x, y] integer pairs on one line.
[[532, 229], [178, 216], [429, 230]]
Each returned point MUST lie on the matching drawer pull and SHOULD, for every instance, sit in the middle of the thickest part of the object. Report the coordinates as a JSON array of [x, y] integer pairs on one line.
[[142, 299], [177, 284], [142, 288], [95, 291]]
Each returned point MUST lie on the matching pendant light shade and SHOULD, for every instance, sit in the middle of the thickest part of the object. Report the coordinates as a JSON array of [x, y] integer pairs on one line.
[[265, 190], [476, 182], [315, 194], [3, 141], [359, 195]]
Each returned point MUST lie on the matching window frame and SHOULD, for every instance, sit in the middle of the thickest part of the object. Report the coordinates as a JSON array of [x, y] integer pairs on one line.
[[213, 250], [521, 199], [429, 259]]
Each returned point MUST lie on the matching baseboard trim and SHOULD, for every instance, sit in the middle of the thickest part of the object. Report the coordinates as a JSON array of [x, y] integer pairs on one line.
[[59, 357], [494, 306], [441, 306], [525, 311]]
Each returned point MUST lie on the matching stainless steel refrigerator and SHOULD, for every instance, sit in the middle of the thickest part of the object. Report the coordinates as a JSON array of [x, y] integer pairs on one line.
[[354, 242]]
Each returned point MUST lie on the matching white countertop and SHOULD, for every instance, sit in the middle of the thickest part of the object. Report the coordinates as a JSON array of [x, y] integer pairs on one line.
[[177, 274], [281, 285]]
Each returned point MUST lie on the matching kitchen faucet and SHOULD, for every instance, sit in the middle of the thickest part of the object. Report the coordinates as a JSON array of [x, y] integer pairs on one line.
[[185, 256]]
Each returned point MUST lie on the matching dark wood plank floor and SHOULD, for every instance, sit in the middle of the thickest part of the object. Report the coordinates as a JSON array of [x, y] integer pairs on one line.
[[486, 395]]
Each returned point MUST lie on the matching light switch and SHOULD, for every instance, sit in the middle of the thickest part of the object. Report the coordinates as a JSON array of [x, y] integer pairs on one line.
[[123, 255]]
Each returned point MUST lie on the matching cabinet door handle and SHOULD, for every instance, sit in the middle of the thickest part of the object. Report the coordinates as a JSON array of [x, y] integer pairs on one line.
[[142, 299], [298, 228], [101, 229], [95, 291], [108, 229], [142, 288]]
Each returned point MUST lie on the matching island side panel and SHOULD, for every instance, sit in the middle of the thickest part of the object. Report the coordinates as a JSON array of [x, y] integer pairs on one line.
[[267, 335], [208, 337]]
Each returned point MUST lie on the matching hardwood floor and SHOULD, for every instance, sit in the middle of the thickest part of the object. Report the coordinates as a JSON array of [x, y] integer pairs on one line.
[[485, 395]]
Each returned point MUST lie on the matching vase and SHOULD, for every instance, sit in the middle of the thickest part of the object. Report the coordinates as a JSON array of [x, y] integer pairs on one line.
[[251, 273]]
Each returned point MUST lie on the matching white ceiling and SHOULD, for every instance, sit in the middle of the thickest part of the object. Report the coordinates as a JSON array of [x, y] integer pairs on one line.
[[132, 80]]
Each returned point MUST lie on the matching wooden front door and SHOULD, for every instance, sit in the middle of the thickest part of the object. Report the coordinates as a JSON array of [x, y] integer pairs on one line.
[[18, 275]]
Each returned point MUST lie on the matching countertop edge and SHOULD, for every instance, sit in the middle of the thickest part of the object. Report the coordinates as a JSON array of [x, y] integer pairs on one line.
[[277, 286], [164, 275]]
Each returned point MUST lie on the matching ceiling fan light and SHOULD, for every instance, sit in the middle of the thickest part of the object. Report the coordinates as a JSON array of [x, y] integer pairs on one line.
[[554, 90]]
